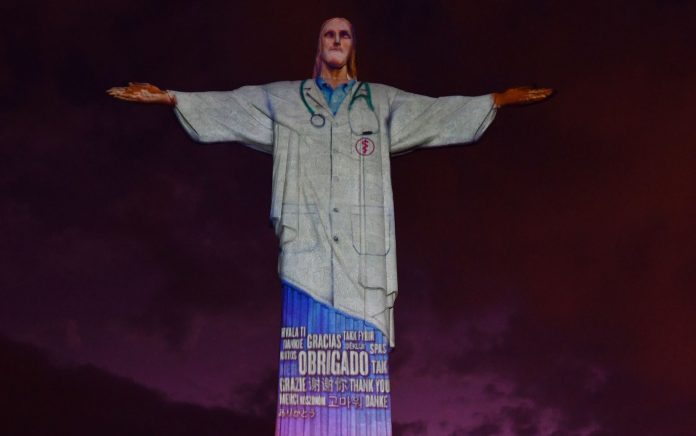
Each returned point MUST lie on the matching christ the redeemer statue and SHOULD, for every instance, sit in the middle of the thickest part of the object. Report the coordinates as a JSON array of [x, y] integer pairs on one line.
[[331, 138]]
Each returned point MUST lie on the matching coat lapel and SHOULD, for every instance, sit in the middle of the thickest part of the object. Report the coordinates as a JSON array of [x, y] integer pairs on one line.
[[343, 107], [315, 98]]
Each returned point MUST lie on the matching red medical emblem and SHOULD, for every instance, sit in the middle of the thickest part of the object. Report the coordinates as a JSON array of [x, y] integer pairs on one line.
[[365, 146]]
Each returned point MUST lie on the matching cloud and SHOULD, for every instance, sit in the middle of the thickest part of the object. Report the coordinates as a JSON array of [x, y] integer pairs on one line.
[[257, 398], [415, 428], [42, 397], [515, 372], [487, 429]]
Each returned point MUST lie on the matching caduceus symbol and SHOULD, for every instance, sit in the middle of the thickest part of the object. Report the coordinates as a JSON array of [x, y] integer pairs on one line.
[[364, 146]]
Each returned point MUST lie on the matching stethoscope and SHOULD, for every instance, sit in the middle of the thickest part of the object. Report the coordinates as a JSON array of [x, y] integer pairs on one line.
[[319, 120]]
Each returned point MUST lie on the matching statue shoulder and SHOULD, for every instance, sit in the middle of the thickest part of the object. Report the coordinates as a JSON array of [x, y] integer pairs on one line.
[[286, 90], [381, 91]]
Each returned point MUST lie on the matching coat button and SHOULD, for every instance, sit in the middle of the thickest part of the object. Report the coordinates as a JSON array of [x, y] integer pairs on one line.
[[335, 209], [335, 238]]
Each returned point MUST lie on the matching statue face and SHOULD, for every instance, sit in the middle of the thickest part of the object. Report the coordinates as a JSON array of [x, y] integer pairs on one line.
[[336, 43]]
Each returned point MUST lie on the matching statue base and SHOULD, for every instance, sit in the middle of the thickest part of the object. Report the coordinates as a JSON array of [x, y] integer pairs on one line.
[[333, 372]]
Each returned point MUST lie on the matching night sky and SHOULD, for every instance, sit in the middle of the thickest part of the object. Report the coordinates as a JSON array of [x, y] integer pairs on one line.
[[546, 273]]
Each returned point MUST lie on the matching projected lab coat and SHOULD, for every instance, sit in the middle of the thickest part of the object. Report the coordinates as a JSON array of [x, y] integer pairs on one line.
[[332, 206]]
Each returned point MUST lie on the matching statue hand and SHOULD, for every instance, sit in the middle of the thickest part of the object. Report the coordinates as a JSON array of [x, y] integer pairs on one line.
[[142, 93], [521, 95]]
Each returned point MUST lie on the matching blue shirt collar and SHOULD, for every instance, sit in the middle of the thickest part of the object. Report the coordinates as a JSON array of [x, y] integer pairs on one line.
[[323, 84], [334, 97]]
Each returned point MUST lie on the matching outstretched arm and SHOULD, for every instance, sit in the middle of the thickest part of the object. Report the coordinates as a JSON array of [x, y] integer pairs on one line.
[[420, 121], [142, 93], [243, 115]]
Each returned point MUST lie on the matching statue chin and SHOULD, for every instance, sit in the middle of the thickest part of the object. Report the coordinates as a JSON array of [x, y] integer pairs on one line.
[[333, 64]]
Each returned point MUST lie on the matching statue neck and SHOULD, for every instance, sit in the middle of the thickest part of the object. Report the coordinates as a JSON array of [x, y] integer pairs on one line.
[[335, 76]]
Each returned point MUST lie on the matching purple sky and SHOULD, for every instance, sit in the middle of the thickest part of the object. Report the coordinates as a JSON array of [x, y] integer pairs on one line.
[[546, 273]]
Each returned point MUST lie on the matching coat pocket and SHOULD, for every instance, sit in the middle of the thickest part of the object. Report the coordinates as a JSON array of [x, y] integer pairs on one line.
[[300, 228], [370, 228]]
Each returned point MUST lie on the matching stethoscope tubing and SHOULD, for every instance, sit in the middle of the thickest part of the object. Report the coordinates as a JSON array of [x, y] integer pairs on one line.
[[318, 120]]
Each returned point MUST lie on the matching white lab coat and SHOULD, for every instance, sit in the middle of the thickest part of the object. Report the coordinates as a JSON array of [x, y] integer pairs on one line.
[[332, 205]]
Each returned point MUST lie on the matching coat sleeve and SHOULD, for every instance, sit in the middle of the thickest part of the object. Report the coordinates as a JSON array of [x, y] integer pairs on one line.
[[420, 121], [244, 115]]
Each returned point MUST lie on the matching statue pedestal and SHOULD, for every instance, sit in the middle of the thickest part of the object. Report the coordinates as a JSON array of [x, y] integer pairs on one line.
[[333, 372]]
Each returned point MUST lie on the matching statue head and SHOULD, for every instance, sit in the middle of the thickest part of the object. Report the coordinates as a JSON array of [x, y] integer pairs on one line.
[[336, 47]]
